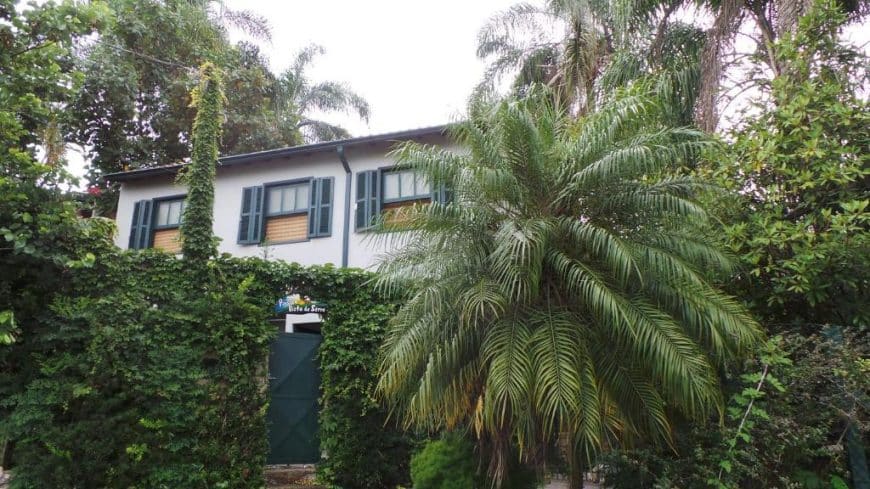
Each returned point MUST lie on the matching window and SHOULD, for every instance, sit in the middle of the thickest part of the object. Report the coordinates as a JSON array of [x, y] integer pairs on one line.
[[156, 224], [288, 199], [169, 213], [379, 190], [405, 185], [286, 212]]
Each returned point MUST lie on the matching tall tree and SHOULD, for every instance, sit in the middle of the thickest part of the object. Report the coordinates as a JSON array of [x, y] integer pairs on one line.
[[598, 43], [198, 243], [801, 180], [565, 289], [134, 107], [518, 41], [40, 236], [585, 49]]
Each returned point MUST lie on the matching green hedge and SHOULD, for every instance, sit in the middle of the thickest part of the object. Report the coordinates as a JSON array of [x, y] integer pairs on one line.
[[131, 376]]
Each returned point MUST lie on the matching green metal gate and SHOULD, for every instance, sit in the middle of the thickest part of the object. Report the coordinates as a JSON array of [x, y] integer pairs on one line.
[[294, 381]]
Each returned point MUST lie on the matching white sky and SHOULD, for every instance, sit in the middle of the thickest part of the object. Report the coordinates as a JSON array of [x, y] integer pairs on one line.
[[412, 60]]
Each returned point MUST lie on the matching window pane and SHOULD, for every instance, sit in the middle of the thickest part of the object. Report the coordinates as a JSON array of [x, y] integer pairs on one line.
[[174, 212], [162, 214], [407, 183], [422, 185], [301, 197], [391, 186], [246, 200], [288, 203], [275, 199]]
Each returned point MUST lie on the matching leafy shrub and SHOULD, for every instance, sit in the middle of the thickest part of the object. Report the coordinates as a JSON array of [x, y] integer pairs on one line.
[[156, 385], [451, 462], [791, 437], [447, 463]]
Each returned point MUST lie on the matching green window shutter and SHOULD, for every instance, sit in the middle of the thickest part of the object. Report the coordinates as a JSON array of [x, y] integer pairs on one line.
[[320, 211], [368, 198], [251, 218], [140, 228]]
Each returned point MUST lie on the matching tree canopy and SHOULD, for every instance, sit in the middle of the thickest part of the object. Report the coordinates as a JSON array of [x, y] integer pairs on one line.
[[800, 178], [133, 109]]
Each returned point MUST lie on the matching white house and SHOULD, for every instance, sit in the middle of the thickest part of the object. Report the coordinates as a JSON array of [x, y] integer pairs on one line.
[[311, 204]]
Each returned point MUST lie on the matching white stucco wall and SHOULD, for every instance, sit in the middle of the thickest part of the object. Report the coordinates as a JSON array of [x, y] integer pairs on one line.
[[230, 181]]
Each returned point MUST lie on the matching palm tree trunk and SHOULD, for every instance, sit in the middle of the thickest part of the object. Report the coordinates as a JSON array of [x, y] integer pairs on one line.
[[788, 12], [576, 466], [724, 27]]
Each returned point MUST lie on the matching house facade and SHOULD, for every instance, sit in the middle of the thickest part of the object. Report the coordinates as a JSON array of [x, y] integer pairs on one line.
[[310, 204]]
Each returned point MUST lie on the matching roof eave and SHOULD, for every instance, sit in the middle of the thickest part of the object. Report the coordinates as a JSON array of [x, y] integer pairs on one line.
[[283, 152]]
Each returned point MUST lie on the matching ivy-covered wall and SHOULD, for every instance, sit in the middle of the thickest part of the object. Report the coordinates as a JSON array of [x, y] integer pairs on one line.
[[363, 449], [134, 376]]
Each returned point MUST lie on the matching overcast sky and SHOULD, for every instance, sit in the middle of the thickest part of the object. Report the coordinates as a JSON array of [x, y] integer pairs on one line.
[[412, 60]]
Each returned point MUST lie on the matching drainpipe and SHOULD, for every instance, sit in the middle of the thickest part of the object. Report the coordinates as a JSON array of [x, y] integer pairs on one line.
[[345, 236]]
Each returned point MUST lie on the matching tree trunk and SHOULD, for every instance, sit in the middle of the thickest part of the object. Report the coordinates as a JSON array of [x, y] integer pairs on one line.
[[788, 13], [576, 466], [723, 29], [6, 447]]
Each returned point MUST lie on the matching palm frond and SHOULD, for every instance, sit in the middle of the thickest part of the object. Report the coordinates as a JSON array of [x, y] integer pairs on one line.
[[316, 131], [334, 97]]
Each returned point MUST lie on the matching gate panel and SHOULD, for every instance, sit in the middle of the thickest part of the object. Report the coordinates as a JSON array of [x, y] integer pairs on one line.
[[294, 382]]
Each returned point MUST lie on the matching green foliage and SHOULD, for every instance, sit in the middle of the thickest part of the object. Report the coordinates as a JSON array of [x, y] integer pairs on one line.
[[365, 450], [745, 409], [453, 461], [799, 171], [814, 387], [134, 106], [565, 290], [41, 239], [37, 221], [158, 385], [448, 463], [198, 242], [164, 385], [797, 218]]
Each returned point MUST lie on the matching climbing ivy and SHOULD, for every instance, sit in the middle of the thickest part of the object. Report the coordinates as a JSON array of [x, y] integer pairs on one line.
[[136, 380], [198, 242], [363, 448]]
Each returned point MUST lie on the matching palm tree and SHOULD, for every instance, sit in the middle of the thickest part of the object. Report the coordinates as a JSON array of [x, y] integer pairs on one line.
[[599, 41], [564, 292], [297, 99], [584, 49], [521, 41]]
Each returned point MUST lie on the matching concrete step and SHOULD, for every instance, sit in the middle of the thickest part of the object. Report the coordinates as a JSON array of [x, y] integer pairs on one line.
[[296, 486], [290, 476]]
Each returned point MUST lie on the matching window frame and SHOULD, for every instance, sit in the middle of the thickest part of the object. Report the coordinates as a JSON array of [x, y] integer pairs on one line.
[[268, 187], [382, 176], [157, 202]]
